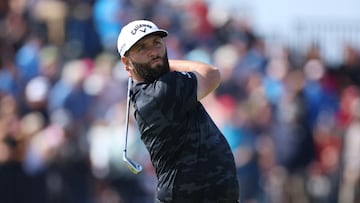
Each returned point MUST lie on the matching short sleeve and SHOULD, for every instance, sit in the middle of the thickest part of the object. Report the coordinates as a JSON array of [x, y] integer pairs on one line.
[[167, 101], [176, 93]]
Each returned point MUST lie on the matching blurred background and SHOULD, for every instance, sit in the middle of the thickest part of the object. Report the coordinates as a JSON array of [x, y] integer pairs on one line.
[[289, 101]]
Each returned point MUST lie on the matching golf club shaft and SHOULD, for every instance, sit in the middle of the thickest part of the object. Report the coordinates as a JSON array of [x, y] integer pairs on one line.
[[127, 112], [132, 165]]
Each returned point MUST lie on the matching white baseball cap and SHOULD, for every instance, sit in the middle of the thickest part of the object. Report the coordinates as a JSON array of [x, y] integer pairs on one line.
[[134, 31]]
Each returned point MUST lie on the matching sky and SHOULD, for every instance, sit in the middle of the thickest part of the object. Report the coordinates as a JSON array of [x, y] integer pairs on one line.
[[281, 19]]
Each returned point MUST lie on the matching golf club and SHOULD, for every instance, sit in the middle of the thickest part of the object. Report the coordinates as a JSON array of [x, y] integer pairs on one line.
[[132, 165]]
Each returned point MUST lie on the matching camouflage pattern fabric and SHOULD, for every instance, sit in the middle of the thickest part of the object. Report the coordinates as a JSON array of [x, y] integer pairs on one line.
[[192, 159]]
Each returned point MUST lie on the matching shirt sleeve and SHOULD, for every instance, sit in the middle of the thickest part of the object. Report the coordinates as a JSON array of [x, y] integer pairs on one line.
[[177, 94]]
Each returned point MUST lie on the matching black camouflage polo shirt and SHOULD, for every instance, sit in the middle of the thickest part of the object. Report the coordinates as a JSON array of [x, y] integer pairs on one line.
[[192, 159]]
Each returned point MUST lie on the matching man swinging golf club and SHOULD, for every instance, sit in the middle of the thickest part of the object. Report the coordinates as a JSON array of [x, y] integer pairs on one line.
[[192, 159]]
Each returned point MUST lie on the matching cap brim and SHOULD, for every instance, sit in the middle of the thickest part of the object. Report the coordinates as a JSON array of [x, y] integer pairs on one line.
[[160, 32]]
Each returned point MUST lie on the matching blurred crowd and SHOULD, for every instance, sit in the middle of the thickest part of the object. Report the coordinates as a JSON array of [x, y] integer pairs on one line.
[[291, 118]]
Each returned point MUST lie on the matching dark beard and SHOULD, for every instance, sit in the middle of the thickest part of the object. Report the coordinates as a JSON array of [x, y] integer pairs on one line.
[[150, 74]]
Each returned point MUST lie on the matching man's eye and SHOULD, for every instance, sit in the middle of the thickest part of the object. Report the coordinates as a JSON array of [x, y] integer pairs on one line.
[[141, 48], [157, 43]]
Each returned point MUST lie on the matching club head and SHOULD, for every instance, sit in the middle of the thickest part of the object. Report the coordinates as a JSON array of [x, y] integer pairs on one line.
[[132, 165]]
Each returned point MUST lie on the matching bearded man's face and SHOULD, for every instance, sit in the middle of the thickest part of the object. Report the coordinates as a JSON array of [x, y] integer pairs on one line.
[[150, 72]]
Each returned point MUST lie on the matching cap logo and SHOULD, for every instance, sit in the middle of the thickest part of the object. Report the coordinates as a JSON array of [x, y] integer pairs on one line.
[[138, 27]]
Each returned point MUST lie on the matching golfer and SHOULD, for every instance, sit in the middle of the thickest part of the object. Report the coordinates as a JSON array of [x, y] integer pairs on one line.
[[192, 159]]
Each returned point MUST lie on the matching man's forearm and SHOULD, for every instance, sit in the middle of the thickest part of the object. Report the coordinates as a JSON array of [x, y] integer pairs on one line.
[[189, 66]]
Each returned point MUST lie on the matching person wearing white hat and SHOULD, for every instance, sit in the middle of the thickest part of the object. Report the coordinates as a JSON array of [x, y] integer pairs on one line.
[[192, 159]]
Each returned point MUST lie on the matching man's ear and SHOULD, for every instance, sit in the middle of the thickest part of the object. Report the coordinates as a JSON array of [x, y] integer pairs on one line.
[[130, 68]]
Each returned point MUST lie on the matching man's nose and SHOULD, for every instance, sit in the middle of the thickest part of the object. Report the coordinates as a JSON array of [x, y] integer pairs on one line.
[[152, 51]]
